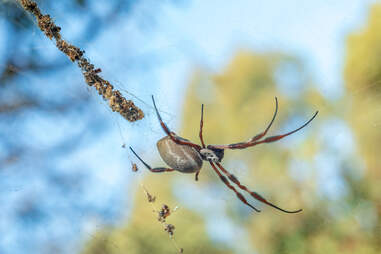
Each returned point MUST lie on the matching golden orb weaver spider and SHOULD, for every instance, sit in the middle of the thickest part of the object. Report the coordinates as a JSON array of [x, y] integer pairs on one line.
[[186, 157]]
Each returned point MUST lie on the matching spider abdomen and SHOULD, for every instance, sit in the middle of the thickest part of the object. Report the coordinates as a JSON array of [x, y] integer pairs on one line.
[[182, 158]]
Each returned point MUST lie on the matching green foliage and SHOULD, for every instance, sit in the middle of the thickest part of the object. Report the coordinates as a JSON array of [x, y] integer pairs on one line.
[[363, 81], [363, 65]]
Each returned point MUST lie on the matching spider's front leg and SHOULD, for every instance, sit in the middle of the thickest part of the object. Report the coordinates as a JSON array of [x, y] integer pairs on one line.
[[171, 134], [257, 139], [154, 170], [200, 135]]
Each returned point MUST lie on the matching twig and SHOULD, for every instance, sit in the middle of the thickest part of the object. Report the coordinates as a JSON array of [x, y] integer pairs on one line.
[[117, 102]]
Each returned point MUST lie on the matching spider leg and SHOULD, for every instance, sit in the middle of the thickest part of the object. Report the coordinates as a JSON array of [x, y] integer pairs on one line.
[[226, 182], [200, 135], [154, 170], [262, 134], [196, 176], [171, 134], [202, 125], [252, 193], [250, 143]]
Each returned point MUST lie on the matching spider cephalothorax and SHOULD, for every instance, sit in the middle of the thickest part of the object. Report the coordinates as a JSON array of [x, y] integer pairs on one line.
[[212, 154], [186, 157]]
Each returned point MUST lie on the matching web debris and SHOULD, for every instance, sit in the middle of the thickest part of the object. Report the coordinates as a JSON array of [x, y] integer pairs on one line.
[[163, 213]]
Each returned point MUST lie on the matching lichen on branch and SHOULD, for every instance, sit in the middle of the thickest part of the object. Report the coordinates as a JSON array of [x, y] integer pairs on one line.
[[117, 102]]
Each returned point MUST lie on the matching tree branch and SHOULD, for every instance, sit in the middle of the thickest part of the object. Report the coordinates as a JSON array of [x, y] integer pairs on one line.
[[117, 102]]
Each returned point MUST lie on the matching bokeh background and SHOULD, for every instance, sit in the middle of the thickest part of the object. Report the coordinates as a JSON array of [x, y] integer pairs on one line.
[[66, 184]]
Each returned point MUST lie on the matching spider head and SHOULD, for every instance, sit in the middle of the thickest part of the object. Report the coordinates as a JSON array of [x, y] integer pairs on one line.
[[212, 154]]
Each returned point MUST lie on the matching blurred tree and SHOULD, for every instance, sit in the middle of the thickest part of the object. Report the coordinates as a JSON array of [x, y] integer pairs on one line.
[[362, 75], [363, 81], [350, 224]]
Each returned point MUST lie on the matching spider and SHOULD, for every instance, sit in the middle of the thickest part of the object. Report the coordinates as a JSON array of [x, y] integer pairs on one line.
[[186, 157]]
